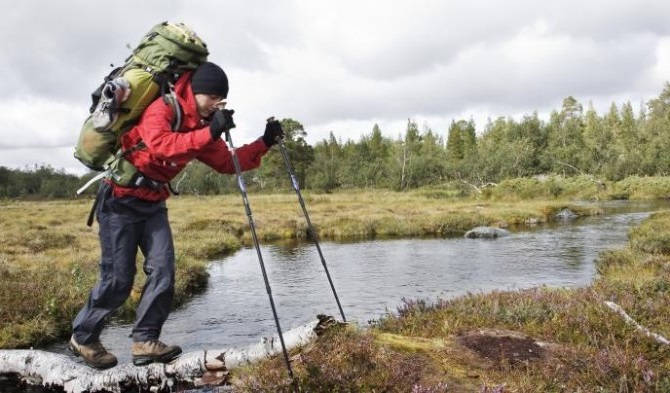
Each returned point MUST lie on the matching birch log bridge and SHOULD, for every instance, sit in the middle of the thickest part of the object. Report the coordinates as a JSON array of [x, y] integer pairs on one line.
[[199, 368]]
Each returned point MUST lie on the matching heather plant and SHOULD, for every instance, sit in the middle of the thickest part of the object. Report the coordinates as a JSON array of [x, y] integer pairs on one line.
[[585, 346], [346, 360], [48, 252]]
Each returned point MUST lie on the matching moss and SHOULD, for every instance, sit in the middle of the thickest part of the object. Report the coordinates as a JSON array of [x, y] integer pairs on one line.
[[344, 360], [410, 344]]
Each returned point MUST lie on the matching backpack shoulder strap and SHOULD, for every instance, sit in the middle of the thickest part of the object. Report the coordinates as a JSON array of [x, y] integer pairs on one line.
[[177, 120], [170, 98]]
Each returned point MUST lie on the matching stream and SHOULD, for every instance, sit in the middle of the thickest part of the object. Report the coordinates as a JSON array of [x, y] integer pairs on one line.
[[372, 277]]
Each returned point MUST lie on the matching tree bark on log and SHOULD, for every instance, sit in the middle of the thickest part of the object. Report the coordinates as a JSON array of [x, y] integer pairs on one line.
[[629, 320], [198, 368]]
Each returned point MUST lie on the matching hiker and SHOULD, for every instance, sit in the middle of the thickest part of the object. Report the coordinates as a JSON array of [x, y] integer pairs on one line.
[[136, 216]]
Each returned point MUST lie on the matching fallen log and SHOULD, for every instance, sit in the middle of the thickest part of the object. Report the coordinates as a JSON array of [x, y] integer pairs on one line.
[[629, 320], [199, 368]]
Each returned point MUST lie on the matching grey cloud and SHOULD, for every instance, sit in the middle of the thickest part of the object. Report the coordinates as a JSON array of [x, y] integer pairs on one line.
[[63, 54], [417, 39], [68, 49], [325, 62], [603, 69], [418, 44], [607, 20], [489, 79]]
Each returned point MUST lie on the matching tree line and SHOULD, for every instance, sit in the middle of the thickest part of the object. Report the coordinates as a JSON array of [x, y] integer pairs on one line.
[[40, 181], [573, 141]]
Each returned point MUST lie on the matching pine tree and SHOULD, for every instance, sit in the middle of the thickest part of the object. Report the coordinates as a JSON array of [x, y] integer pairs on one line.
[[455, 142], [272, 173]]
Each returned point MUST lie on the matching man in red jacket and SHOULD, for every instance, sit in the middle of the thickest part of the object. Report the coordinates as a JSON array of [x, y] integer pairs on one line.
[[132, 217]]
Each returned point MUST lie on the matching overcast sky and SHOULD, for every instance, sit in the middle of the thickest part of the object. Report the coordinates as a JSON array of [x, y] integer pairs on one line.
[[339, 66]]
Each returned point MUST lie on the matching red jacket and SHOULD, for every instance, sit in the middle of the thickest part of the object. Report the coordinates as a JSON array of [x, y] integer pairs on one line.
[[167, 152]]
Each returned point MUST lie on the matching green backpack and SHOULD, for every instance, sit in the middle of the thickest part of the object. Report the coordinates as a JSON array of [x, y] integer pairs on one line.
[[156, 63]]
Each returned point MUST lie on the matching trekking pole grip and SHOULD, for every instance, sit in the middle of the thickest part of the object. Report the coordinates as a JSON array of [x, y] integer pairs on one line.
[[229, 140], [279, 139], [252, 228]]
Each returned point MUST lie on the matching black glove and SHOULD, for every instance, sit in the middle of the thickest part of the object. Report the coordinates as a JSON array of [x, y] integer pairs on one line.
[[222, 120], [273, 131]]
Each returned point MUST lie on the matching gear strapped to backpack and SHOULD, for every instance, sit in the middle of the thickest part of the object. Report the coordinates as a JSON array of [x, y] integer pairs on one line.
[[167, 51]]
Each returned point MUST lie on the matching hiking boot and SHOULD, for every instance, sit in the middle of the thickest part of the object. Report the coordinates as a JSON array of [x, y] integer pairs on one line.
[[94, 354], [145, 352]]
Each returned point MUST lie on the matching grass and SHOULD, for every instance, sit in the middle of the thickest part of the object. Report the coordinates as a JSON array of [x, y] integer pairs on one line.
[[586, 347], [49, 257], [48, 263], [584, 187]]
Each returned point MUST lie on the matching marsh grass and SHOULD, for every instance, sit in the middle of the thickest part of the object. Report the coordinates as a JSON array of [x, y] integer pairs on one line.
[[636, 187], [48, 263], [588, 347], [49, 257], [652, 236], [584, 187]]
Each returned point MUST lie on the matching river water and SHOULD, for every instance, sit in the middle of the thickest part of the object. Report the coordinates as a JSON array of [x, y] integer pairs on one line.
[[373, 277]]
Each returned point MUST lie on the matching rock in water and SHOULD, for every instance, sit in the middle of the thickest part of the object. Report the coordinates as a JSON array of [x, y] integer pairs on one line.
[[486, 233], [566, 214]]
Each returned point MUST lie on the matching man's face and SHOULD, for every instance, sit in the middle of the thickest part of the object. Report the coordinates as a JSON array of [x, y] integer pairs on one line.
[[208, 103]]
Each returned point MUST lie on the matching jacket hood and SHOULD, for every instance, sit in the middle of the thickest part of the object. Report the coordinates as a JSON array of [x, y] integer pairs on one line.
[[191, 118]]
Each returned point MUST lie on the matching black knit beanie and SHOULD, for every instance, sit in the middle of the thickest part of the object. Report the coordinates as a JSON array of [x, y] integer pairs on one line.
[[209, 78]]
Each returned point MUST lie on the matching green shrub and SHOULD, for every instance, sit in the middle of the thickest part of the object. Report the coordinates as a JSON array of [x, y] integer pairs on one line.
[[652, 235], [636, 187]]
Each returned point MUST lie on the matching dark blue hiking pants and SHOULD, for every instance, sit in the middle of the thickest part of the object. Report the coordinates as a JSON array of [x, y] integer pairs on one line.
[[127, 224]]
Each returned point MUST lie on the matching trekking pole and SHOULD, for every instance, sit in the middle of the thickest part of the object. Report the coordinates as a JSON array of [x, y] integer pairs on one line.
[[310, 228], [252, 227]]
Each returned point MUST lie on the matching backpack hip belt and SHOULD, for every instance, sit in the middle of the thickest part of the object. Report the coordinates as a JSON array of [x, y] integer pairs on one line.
[[140, 180], [144, 181]]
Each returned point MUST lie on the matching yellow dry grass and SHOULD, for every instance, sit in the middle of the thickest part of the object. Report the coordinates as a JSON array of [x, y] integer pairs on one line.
[[49, 257]]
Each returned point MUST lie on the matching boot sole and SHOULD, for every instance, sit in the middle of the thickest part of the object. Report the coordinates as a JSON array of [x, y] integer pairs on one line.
[[76, 353], [165, 358]]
